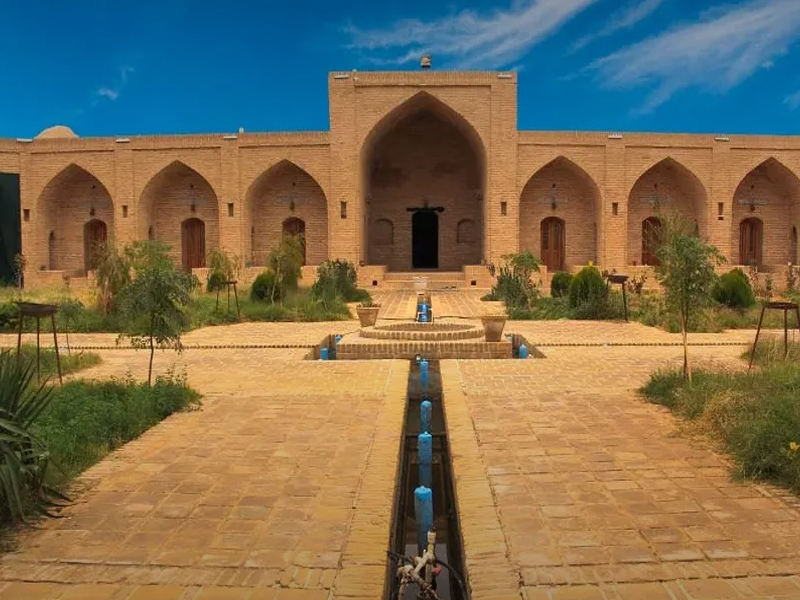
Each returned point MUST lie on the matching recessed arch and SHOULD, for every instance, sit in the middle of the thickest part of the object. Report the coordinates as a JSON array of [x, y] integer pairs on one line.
[[561, 189], [668, 186], [770, 192], [284, 191], [422, 153], [72, 197], [175, 194]]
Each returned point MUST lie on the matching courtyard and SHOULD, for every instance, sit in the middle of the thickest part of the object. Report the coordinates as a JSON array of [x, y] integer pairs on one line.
[[281, 486]]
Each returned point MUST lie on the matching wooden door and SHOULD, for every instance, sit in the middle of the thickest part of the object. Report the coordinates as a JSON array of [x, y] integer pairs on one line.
[[750, 242], [553, 244], [94, 239], [296, 227], [652, 234], [193, 244]]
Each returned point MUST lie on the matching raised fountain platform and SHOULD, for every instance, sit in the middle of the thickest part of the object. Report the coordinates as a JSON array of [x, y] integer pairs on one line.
[[413, 331], [432, 340]]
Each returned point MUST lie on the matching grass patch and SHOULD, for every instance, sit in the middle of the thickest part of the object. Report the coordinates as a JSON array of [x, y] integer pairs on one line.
[[87, 420], [754, 416], [770, 350], [76, 317], [70, 362]]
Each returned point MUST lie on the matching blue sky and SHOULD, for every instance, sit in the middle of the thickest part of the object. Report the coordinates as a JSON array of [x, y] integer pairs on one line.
[[189, 66]]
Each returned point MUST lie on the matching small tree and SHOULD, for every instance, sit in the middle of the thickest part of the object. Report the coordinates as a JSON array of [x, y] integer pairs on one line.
[[286, 262], [153, 303], [113, 274], [686, 272], [222, 267]]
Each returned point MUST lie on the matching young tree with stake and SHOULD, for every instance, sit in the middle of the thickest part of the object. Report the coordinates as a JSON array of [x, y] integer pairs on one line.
[[154, 301], [686, 271]]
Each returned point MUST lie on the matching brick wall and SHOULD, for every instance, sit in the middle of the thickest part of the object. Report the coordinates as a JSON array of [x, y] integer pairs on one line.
[[470, 140]]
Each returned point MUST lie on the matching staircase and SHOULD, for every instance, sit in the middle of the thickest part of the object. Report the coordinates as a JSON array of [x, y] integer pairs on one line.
[[438, 280]]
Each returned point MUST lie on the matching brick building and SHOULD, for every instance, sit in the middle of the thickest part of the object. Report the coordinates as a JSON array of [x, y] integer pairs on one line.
[[419, 171]]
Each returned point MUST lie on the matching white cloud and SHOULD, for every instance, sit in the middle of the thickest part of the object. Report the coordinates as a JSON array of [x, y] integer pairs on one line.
[[728, 45], [113, 92], [469, 39], [793, 100], [108, 93], [623, 20]]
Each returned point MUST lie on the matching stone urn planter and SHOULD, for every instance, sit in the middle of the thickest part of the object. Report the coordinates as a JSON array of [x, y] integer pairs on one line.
[[493, 327], [368, 315]]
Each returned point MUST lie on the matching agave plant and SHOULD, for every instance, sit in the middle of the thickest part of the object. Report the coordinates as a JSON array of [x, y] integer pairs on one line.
[[24, 459]]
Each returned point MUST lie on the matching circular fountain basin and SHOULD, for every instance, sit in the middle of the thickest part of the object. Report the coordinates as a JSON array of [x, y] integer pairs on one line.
[[423, 331]]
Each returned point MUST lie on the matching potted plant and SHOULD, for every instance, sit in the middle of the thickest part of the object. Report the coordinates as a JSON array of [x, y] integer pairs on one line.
[[368, 312], [493, 326]]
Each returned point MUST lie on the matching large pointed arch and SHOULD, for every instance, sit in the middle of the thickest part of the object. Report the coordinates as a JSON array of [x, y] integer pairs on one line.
[[666, 187], [72, 198], [769, 193], [422, 151], [282, 191], [562, 190], [173, 195]]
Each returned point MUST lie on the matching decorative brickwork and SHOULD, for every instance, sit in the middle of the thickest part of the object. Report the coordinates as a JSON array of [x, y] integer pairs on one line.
[[395, 141]]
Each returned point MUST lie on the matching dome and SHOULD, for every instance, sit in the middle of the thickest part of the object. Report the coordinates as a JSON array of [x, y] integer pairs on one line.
[[56, 132]]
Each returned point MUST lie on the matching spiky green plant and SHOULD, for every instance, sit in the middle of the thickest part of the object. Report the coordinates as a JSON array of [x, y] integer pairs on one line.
[[24, 459]]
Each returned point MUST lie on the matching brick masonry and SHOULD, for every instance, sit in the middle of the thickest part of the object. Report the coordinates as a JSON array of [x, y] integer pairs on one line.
[[397, 138]]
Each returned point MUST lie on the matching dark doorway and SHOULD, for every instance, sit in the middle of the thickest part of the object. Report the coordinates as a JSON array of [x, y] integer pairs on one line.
[[750, 242], [296, 227], [95, 234], [652, 236], [193, 238], [425, 240], [553, 244]]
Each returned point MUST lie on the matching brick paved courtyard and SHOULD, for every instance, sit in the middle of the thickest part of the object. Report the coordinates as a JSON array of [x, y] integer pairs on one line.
[[281, 485]]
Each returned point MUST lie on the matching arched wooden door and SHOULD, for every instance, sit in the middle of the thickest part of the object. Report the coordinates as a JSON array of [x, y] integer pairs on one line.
[[193, 244], [652, 235], [296, 227], [95, 234], [554, 238], [751, 240]]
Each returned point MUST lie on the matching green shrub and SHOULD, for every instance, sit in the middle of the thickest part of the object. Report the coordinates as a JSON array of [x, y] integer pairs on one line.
[[514, 286], [337, 278], [24, 458], [604, 308], [9, 316], [216, 281], [587, 288], [86, 420], [734, 290], [286, 262], [265, 288], [559, 284]]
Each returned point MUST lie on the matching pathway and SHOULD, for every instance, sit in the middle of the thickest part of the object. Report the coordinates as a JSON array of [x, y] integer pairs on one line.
[[281, 487]]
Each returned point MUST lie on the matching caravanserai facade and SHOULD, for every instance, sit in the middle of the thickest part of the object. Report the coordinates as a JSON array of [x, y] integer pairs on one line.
[[420, 171]]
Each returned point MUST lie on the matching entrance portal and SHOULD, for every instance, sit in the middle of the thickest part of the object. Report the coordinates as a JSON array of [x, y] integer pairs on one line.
[[425, 240]]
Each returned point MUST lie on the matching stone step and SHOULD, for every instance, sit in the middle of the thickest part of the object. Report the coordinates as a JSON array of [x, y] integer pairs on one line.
[[429, 275], [399, 284]]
